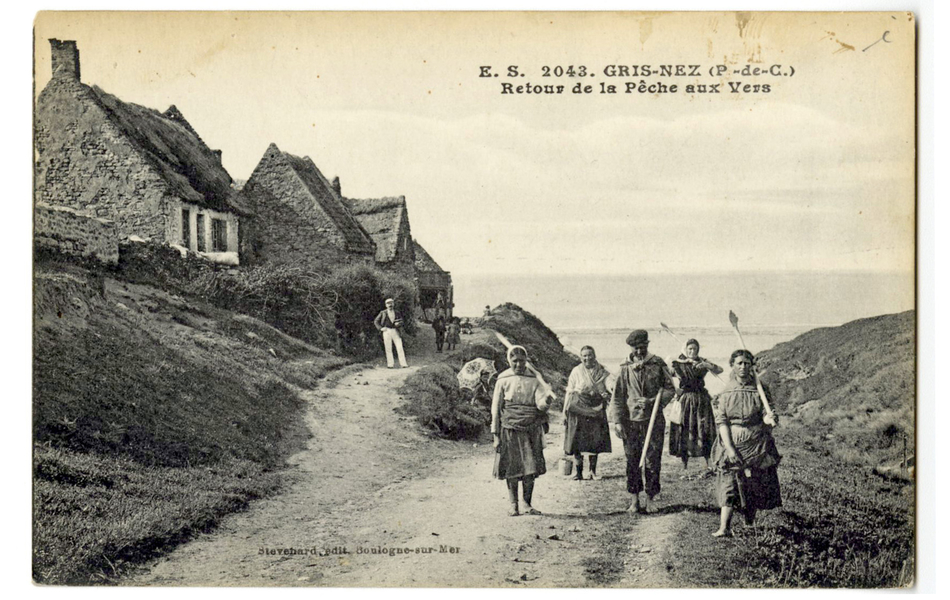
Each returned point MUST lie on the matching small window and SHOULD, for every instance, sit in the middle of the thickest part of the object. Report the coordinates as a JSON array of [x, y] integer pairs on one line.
[[219, 235], [186, 228], [200, 229]]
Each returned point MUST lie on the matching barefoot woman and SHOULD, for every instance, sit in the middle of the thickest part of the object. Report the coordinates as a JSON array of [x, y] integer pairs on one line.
[[745, 455], [518, 417]]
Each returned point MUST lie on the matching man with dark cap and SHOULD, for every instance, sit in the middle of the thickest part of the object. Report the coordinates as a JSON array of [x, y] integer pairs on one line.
[[642, 378]]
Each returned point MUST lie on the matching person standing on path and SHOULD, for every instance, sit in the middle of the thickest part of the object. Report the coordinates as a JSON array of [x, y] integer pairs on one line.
[[389, 322], [695, 434], [585, 417], [745, 455], [518, 411], [438, 325], [642, 381], [452, 337]]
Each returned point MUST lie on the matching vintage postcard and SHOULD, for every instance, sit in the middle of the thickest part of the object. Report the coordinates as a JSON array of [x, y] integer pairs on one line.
[[474, 299]]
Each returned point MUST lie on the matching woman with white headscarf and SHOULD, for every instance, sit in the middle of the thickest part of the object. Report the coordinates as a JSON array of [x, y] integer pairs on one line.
[[585, 417], [519, 408]]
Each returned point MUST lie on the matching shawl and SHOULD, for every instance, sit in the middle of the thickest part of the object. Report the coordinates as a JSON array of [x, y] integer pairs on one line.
[[521, 415], [585, 386]]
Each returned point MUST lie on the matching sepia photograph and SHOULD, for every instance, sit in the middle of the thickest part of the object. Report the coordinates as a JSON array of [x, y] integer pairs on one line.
[[475, 299]]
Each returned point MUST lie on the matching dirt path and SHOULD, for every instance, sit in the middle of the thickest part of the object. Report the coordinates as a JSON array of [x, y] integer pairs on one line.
[[372, 482]]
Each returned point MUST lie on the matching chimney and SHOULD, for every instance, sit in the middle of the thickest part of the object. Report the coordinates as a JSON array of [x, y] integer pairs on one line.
[[65, 61], [335, 184]]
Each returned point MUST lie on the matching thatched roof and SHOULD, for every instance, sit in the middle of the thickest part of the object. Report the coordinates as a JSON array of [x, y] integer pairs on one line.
[[424, 262], [357, 238], [173, 148], [381, 218]]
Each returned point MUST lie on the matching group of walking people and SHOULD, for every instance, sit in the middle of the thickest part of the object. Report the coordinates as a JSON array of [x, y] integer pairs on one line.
[[732, 433]]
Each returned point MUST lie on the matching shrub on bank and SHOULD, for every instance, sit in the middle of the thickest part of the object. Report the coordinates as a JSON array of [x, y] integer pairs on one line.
[[435, 400]]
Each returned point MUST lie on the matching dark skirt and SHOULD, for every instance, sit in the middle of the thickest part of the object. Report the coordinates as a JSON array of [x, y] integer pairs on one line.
[[586, 434], [695, 436], [520, 453], [760, 491]]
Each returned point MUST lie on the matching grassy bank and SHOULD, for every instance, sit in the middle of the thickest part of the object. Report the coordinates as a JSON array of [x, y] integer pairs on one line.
[[846, 396], [153, 416]]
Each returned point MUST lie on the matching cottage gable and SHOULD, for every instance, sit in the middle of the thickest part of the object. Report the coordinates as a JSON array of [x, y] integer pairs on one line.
[[298, 215], [148, 172], [387, 222], [432, 280]]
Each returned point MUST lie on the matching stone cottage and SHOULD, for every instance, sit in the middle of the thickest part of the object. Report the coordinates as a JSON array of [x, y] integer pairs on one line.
[[147, 172], [387, 222], [432, 282], [299, 218]]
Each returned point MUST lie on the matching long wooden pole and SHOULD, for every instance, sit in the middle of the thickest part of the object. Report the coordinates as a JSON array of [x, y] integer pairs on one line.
[[758, 384], [646, 442], [677, 338], [537, 374]]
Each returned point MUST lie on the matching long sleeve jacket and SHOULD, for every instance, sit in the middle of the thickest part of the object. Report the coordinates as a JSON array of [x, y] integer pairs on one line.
[[637, 387], [382, 320]]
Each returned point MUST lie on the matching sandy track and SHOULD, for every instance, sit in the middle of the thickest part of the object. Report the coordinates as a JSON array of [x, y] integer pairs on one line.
[[371, 479]]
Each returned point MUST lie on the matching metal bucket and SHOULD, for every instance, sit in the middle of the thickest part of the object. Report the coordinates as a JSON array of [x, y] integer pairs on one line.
[[567, 466]]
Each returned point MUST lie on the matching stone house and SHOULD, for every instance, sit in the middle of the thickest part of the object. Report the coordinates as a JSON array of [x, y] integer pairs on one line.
[[147, 172], [387, 222], [432, 282], [299, 217]]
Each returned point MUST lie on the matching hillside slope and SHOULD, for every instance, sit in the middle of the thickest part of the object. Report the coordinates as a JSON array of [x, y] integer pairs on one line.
[[152, 417], [851, 386]]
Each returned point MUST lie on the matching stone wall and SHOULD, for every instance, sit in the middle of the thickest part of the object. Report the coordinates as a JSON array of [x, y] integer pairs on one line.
[[85, 163], [288, 224], [71, 232], [178, 231]]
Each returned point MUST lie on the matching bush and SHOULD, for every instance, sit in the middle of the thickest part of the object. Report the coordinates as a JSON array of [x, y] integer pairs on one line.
[[435, 400], [359, 293], [325, 309]]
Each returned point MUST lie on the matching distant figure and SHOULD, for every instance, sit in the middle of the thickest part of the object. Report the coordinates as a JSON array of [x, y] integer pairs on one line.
[[585, 403], [452, 338], [466, 326], [745, 455], [517, 427], [438, 325], [481, 395], [695, 433], [439, 304], [389, 322], [643, 378], [487, 311]]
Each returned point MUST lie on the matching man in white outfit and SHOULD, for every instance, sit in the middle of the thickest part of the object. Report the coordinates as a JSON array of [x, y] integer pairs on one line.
[[389, 322]]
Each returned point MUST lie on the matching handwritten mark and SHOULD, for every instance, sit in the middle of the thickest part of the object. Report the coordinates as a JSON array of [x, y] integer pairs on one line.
[[882, 39]]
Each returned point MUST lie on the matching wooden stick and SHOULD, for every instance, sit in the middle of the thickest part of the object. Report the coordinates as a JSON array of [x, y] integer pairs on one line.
[[758, 384], [677, 338], [537, 374], [646, 442]]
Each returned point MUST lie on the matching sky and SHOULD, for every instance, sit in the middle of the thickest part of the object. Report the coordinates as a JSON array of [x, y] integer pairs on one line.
[[816, 175]]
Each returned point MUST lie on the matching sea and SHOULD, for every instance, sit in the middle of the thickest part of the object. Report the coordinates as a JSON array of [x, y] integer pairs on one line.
[[772, 307]]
